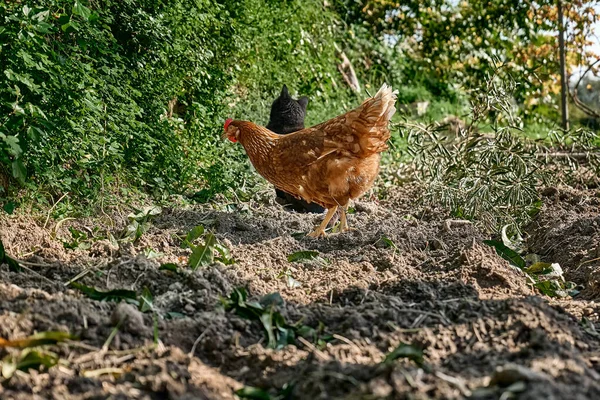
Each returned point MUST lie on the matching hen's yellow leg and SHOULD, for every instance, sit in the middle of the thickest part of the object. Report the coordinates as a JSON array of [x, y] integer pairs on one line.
[[344, 222], [320, 231]]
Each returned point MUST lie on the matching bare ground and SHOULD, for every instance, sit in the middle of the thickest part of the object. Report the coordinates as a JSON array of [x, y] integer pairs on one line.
[[486, 334]]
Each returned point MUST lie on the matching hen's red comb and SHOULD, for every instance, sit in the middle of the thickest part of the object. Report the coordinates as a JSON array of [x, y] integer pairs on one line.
[[227, 122]]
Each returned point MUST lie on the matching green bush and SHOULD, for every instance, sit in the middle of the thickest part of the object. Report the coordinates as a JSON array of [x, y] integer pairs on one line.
[[97, 96], [86, 90]]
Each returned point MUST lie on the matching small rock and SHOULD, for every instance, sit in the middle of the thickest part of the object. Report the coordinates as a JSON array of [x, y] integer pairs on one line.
[[368, 208], [368, 267], [549, 191], [437, 244], [130, 318], [189, 308], [511, 373], [380, 388]]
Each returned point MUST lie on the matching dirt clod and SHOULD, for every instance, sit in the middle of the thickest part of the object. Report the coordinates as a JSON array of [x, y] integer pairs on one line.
[[408, 275]]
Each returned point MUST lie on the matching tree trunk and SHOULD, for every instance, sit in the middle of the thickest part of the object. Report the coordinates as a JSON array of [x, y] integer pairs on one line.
[[563, 68]]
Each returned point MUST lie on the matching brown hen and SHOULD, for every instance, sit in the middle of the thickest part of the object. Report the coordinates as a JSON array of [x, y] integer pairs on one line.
[[327, 164]]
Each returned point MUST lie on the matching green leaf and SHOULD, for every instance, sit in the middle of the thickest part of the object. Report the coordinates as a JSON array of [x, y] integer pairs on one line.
[[303, 255], [13, 145], [111, 295], [387, 242], [81, 10], [168, 267], [28, 359], [588, 326], [404, 350], [203, 256], [42, 15], [272, 299], [539, 268], [146, 300], [13, 265], [551, 288], [508, 254], [224, 254], [39, 339], [192, 235], [253, 393], [174, 315], [267, 321], [9, 207], [19, 171]]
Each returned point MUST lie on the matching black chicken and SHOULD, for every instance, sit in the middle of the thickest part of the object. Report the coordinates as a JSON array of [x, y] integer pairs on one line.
[[287, 116]]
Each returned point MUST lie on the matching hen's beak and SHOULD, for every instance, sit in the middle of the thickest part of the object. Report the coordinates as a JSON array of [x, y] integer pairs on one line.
[[230, 132]]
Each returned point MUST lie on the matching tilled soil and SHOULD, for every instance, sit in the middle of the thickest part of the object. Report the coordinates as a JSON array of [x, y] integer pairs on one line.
[[407, 274]]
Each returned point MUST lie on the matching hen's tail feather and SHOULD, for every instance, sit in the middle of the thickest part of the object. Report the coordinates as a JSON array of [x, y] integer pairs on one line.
[[371, 125]]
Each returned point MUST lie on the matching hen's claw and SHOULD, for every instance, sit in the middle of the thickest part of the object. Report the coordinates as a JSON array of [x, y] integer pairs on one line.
[[320, 231], [317, 233]]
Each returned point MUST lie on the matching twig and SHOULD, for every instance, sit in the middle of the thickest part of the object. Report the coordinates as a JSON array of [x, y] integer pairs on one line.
[[37, 274], [200, 337], [52, 209], [112, 335], [347, 341], [460, 385], [32, 264], [579, 156], [312, 347], [102, 371], [575, 98]]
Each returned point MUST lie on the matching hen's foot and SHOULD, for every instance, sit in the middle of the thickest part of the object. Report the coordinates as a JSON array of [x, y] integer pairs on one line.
[[320, 231], [317, 233]]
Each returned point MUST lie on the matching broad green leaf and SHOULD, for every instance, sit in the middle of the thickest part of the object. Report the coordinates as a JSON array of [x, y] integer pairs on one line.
[[404, 350], [224, 254], [168, 267], [13, 145], [253, 393], [203, 256], [9, 207], [508, 254], [42, 15], [28, 359], [278, 332], [303, 255], [146, 300], [81, 10], [551, 288], [272, 299], [192, 235], [111, 295], [539, 268], [19, 171], [267, 321]]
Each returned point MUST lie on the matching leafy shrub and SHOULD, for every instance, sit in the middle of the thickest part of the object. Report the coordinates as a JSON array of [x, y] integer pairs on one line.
[[134, 92]]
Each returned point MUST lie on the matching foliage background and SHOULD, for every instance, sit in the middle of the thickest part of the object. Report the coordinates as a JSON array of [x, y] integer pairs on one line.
[[99, 99]]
